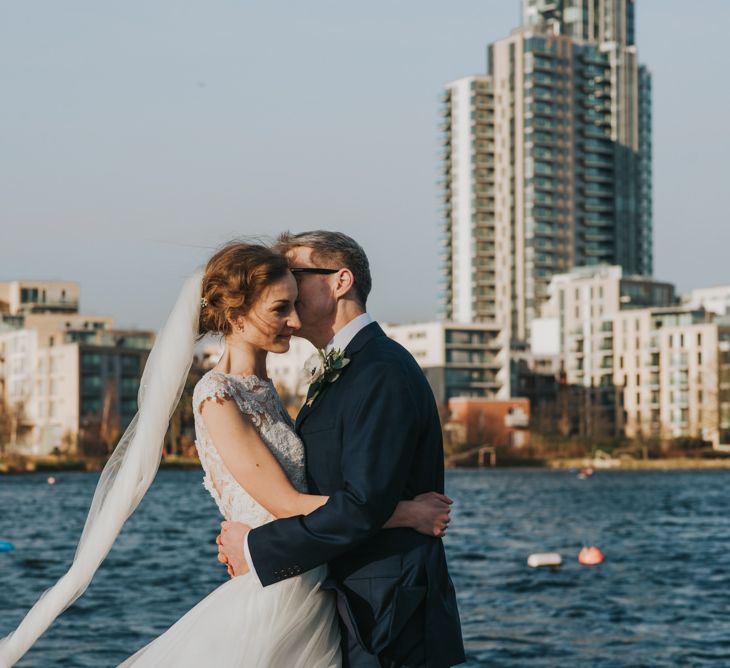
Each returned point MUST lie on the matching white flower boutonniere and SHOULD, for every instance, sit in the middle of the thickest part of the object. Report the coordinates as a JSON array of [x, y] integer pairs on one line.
[[323, 368]]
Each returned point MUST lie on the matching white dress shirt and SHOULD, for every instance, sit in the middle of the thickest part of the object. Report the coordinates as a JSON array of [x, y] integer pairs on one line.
[[339, 341]]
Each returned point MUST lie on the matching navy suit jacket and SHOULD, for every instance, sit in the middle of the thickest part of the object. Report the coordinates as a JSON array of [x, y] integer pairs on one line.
[[372, 438]]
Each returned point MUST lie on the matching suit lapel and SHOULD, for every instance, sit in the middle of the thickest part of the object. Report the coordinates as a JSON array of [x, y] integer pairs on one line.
[[358, 342], [303, 411]]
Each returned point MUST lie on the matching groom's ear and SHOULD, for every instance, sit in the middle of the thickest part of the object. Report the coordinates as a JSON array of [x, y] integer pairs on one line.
[[345, 282]]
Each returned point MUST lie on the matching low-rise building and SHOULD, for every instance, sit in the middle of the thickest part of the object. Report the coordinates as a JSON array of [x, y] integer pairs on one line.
[[491, 422], [576, 324], [23, 297], [667, 362], [459, 360], [68, 381]]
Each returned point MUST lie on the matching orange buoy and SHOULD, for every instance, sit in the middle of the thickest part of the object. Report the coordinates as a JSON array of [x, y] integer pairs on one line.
[[591, 556]]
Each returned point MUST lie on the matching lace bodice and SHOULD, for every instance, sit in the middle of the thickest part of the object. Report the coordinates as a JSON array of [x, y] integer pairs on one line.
[[258, 400]]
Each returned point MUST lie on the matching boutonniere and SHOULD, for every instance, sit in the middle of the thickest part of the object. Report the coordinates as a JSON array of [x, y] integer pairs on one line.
[[323, 368]]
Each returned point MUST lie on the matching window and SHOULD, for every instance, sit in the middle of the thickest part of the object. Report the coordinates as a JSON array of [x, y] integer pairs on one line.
[[129, 386], [91, 361], [90, 385], [90, 406], [130, 365]]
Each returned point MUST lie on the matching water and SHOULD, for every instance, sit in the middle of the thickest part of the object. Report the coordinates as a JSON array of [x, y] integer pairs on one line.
[[660, 599]]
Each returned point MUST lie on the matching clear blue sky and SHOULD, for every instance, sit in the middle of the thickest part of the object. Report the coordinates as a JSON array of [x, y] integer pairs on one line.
[[136, 136]]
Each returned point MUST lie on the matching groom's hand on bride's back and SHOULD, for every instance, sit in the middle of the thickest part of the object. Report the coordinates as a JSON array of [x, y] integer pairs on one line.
[[230, 547]]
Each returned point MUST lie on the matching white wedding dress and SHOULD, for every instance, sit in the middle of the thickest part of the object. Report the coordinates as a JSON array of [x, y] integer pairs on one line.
[[289, 624]]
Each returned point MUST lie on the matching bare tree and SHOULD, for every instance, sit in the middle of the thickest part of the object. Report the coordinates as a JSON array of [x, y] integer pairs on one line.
[[109, 427], [5, 425], [18, 417], [182, 421]]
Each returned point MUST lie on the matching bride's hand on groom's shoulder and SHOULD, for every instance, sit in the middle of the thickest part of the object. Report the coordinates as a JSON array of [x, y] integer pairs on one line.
[[230, 547]]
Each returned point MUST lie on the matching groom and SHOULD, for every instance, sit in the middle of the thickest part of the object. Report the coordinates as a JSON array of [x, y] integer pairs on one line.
[[372, 438]]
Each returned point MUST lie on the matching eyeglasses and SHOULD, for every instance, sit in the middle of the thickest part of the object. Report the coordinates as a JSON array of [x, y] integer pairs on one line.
[[312, 270]]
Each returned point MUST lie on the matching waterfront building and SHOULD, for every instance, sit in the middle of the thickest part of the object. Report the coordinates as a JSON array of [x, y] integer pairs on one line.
[[23, 297], [86, 390], [672, 365], [723, 388], [458, 359], [573, 339], [546, 163], [489, 422], [69, 381], [576, 323]]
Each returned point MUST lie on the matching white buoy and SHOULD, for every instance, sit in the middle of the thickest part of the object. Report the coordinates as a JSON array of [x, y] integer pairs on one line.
[[51, 480], [544, 559]]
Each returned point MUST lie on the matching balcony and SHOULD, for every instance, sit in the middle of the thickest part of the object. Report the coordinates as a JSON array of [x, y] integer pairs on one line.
[[593, 191], [598, 252], [601, 150], [598, 176], [599, 133], [596, 207], [595, 160]]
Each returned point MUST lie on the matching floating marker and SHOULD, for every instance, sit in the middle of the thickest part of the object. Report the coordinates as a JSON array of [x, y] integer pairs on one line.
[[51, 480], [540, 559], [6, 547], [591, 556]]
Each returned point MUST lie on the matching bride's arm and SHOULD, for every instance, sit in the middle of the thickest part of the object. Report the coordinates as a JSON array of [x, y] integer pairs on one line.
[[255, 468], [252, 464], [427, 513]]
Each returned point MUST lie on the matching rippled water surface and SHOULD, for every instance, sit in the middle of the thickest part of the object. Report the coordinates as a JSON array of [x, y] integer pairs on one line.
[[662, 597]]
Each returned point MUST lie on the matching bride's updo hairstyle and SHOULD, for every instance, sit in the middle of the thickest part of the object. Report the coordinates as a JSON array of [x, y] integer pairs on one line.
[[234, 279]]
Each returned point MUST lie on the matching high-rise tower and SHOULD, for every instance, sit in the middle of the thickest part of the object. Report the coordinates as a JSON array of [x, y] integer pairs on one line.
[[547, 162]]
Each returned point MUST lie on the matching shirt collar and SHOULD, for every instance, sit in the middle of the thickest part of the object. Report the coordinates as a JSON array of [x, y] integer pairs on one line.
[[342, 338]]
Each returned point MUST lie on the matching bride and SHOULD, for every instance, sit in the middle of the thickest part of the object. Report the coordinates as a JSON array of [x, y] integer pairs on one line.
[[254, 470]]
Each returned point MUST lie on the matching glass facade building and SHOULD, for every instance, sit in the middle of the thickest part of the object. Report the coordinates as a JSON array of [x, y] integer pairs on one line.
[[546, 163]]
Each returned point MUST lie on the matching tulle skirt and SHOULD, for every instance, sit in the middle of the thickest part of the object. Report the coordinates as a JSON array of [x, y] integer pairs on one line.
[[292, 623]]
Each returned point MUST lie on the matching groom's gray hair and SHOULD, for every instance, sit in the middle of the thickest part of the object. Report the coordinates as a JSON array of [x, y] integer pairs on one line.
[[328, 247]]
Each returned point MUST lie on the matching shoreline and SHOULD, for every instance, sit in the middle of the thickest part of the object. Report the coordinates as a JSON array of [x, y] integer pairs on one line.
[[23, 464], [19, 465], [668, 464]]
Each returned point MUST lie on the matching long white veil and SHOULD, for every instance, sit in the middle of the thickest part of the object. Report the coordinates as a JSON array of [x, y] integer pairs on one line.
[[129, 471]]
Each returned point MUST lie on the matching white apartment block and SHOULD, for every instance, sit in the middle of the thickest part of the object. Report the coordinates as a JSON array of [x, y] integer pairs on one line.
[[61, 372], [459, 360], [576, 327], [667, 360]]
